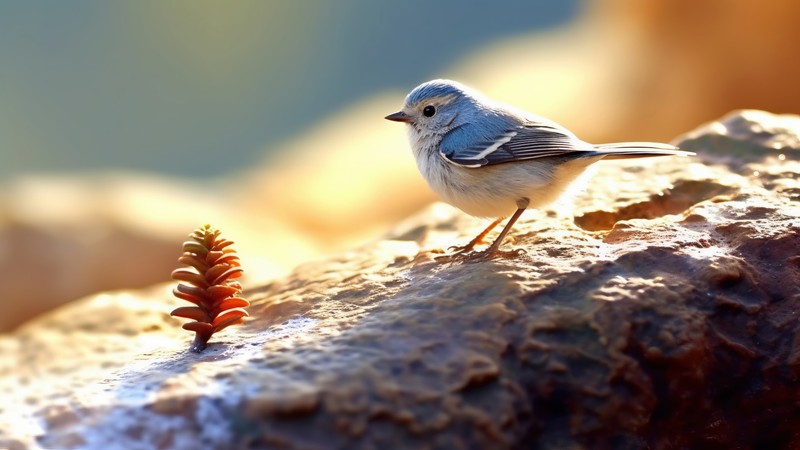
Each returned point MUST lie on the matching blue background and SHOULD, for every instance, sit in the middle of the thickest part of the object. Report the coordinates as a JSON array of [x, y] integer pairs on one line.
[[200, 88]]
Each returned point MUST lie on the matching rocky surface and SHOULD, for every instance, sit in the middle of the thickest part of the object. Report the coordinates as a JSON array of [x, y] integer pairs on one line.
[[664, 314]]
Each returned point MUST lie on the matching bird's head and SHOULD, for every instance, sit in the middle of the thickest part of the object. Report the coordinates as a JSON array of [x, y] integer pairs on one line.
[[437, 106]]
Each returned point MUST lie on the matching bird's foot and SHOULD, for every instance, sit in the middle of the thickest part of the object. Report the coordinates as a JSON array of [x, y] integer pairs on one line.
[[461, 249], [485, 255]]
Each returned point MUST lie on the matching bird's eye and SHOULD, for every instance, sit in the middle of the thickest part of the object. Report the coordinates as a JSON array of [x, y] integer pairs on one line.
[[428, 111]]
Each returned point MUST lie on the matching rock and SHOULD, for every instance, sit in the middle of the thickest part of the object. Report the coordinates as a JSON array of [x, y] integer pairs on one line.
[[663, 315]]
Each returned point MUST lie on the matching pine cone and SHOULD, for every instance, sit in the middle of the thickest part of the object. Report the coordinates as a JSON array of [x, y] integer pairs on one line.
[[213, 263]]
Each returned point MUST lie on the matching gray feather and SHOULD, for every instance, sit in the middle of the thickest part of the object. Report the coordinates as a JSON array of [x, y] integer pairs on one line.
[[624, 150]]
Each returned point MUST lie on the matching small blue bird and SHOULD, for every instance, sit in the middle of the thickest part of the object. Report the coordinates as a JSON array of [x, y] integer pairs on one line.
[[493, 160]]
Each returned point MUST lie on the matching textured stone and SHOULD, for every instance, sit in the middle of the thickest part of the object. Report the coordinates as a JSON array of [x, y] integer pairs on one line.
[[663, 315]]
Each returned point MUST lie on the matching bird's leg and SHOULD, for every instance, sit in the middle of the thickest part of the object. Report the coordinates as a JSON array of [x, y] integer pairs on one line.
[[478, 239], [494, 249]]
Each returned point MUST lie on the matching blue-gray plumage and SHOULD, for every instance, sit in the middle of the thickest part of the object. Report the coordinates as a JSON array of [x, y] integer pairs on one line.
[[492, 160]]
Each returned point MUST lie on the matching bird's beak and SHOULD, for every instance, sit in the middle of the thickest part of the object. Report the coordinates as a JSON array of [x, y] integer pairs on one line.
[[399, 116]]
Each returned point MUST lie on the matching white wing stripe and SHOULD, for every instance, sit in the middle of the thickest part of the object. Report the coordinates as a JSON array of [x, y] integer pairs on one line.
[[490, 149]]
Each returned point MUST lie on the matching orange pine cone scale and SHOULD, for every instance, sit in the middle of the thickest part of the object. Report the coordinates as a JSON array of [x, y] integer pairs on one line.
[[228, 318], [221, 292], [187, 297], [213, 272], [190, 260], [233, 302], [195, 247], [194, 291], [191, 312], [190, 276], [233, 272], [200, 327]]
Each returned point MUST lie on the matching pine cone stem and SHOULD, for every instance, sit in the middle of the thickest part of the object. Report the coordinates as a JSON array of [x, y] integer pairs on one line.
[[200, 342]]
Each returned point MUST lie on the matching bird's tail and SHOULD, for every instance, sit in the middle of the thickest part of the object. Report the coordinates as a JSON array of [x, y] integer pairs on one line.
[[621, 150]]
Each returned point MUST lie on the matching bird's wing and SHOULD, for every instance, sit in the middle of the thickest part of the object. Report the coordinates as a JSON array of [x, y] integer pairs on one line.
[[467, 147]]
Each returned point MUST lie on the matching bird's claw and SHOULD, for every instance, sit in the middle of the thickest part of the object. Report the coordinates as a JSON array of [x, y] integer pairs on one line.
[[485, 255], [460, 249]]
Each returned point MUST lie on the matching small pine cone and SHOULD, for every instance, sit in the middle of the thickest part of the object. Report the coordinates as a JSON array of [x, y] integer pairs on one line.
[[207, 283]]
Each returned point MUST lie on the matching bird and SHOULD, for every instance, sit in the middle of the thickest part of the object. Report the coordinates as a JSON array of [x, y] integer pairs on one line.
[[493, 160]]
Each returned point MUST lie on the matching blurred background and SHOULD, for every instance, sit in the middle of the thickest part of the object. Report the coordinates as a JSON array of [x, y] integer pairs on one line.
[[200, 88], [124, 125]]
